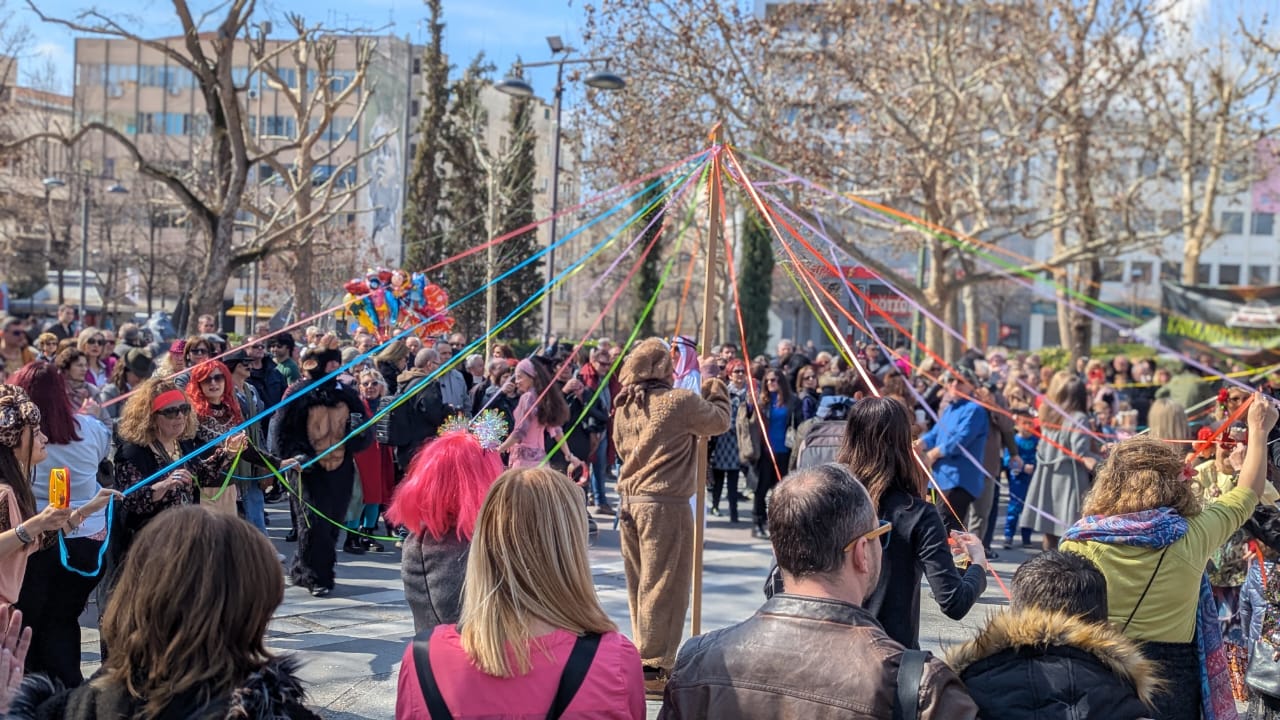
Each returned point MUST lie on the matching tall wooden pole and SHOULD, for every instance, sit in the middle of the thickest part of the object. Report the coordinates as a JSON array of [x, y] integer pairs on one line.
[[714, 234]]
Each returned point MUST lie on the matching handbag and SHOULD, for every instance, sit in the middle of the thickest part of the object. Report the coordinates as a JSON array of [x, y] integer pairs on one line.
[[748, 446], [1263, 675]]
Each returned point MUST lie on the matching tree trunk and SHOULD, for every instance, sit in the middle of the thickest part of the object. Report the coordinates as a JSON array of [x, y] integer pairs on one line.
[[937, 293], [972, 317], [303, 276], [211, 286], [951, 314]]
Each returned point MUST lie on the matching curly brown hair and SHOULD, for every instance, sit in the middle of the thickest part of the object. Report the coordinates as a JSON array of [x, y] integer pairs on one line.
[[1142, 473], [137, 420]]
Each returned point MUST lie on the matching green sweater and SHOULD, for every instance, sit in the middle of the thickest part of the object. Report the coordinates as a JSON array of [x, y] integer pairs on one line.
[[1168, 612]]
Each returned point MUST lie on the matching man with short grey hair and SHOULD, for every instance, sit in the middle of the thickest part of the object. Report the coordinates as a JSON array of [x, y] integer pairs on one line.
[[453, 388], [474, 375], [829, 544]]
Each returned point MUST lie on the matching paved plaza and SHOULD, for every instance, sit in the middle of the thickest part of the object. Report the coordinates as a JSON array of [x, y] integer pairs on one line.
[[351, 642]]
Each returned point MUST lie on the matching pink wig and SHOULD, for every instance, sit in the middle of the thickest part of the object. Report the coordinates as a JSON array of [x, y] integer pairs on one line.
[[444, 486]]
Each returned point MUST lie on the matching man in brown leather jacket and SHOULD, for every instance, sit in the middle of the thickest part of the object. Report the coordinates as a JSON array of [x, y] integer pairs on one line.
[[812, 651]]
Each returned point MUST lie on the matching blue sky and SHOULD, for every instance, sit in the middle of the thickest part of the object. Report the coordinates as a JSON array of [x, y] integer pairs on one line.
[[503, 29]]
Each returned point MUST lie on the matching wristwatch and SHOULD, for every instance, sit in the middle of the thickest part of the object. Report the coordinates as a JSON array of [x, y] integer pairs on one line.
[[23, 535]]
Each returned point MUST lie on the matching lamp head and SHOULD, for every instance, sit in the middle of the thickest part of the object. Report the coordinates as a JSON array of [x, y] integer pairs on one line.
[[604, 80], [515, 86]]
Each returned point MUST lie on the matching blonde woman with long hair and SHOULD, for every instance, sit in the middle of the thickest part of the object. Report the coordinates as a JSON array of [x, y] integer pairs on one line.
[[532, 636]]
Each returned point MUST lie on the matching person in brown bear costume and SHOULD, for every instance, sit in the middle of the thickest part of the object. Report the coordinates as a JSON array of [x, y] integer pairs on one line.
[[656, 429]]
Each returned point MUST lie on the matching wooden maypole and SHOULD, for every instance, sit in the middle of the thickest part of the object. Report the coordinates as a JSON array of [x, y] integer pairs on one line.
[[714, 233]]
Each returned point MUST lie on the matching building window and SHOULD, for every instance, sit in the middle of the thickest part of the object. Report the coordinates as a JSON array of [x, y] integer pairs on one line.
[[279, 125], [346, 179], [1259, 275], [417, 66], [414, 108], [1263, 224], [1170, 220], [1203, 271], [1233, 223], [1140, 272], [1228, 274], [1171, 272], [1112, 271]]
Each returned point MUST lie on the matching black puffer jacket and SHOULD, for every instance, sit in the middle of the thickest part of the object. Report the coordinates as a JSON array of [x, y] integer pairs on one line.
[[272, 693], [1035, 665]]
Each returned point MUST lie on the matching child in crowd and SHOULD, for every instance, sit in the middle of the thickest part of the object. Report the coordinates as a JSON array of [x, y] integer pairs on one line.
[[1019, 468], [1104, 418]]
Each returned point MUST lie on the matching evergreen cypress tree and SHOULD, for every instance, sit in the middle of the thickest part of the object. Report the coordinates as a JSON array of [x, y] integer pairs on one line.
[[755, 285], [650, 273], [421, 227], [516, 173], [464, 202]]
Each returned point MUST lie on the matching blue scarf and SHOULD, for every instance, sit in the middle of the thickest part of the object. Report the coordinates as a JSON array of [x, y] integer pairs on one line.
[[1158, 529]]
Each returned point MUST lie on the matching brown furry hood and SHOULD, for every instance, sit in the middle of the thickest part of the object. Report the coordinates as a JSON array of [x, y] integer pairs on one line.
[[650, 361], [1012, 629]]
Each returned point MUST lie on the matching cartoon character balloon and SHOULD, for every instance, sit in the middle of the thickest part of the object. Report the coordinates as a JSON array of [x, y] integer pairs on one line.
[[387, 302]]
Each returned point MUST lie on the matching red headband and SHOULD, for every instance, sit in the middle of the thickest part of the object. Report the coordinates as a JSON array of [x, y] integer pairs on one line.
[[166, 398]]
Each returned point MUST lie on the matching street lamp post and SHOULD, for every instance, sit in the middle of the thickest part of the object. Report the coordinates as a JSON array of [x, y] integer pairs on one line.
[[519, 87], [115, 189]]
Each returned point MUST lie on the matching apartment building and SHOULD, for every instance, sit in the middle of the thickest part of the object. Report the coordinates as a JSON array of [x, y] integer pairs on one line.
[[140, 92]]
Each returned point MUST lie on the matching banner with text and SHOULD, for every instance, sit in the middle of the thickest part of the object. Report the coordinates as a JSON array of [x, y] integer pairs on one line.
[[1240, 322]]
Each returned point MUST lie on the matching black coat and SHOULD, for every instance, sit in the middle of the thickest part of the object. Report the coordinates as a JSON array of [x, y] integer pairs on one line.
[[1036, 665], [272, 693], [918, 546]]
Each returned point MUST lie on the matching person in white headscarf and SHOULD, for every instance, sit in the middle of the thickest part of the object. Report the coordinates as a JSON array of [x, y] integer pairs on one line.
[[684, 356]]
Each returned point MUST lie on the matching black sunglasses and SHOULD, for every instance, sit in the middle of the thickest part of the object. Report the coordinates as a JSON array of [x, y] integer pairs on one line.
[[174, 411], [215, 378], [95, 341], [197, 351]]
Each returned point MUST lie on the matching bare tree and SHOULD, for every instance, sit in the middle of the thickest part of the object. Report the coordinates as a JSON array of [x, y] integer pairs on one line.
[[317, 178], [213, 189], [1211, 107]]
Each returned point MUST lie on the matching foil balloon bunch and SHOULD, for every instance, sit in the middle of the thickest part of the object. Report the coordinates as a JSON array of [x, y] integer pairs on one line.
[[387, 302]]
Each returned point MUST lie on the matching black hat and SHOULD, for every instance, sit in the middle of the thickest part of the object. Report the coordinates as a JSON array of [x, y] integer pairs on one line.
[[284, 339], [139, 362], [239, 357], [962, 373]]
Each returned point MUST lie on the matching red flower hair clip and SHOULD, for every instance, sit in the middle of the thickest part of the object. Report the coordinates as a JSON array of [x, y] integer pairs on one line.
[[1188, 473], [1222, 399]]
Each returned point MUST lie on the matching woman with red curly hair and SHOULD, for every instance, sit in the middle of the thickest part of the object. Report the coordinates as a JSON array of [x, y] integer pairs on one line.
[[438, 502], [217, 414]]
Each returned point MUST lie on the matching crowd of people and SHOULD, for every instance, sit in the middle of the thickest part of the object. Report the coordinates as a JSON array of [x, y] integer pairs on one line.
[[1155, 594]]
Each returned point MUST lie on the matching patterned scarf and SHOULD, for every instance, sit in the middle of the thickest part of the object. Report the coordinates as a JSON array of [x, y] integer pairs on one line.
[[1158, 529]]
